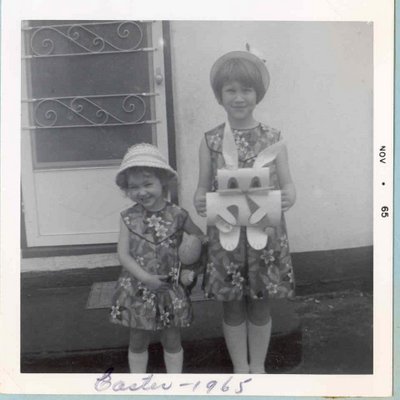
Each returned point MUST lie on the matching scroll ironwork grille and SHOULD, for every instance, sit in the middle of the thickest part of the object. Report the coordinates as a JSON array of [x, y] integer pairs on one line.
[[80, 73]]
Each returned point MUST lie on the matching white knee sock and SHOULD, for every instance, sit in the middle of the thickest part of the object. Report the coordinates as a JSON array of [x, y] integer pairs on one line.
[[138, 361], [259, 337], [173, 362], [236, 342]]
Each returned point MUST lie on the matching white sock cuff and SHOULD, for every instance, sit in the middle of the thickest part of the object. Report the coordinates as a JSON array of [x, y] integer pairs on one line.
[[254, 326], [143, 354], [174, 355], [234, 327]]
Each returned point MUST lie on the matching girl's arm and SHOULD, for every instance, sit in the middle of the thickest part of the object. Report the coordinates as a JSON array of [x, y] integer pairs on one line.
[[203, 185], [153, 282], [288, 190]]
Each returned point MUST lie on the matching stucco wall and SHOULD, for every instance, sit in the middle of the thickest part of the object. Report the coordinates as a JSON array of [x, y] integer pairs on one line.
[[320, 97]]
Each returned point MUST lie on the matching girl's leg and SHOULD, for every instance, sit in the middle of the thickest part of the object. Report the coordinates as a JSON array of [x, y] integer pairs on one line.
[[235, 333], [173, 352], [259, 333], [138, 354]]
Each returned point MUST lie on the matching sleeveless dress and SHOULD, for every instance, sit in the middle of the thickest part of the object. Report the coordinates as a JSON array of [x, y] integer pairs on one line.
[[230, 275], [154, 239]]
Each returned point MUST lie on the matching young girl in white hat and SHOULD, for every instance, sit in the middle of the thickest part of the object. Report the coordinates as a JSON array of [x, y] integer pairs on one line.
[[149, 296], [244, 278]]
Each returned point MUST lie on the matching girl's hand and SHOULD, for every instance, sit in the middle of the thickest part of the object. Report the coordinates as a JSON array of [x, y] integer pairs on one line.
[[187, 277], [157, 283], [288, 196], [200, 204], [288, 191]]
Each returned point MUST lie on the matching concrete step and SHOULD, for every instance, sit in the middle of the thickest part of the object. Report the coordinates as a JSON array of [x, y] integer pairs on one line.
[[58, 334]]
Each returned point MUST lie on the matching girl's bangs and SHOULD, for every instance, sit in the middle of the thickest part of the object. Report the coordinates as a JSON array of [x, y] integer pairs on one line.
[[162, 175], [238, 72]]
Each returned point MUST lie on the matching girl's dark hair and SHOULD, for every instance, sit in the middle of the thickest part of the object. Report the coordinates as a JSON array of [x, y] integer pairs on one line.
[[240, 70], [164, 176]]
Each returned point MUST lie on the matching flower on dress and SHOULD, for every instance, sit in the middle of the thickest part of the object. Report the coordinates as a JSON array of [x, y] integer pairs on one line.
[[140, 260], [231, 268], [242, 144], [237, 280], [212, 271], [268, 130], [153, 221], [177, 303], [115, 310], [126, 283], [215, 140], [161, 231], [283, 241], [272, 288], [158, 226], [148, 296], [174, 273], [164, 317], [268, 256], [239, 140], [167, 242]]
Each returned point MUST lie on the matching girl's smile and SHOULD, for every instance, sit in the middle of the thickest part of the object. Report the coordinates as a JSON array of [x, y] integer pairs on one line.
[[239, 102], [146, 189]]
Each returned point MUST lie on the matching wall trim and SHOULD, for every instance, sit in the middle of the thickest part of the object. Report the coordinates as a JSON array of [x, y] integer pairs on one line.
[[69, 262], [74, 250]]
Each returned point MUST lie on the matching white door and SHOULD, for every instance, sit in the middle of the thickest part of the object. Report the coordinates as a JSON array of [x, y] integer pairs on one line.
[[89, 91]]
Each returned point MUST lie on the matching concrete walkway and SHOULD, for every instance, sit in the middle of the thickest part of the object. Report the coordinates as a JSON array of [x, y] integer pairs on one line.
[[335, 336]]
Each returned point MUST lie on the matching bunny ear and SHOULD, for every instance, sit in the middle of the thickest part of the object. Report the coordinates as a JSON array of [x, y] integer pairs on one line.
[[269, 154], [229, 149]]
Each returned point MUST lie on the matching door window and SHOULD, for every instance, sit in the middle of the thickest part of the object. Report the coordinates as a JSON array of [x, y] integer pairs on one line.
[[91, 94]]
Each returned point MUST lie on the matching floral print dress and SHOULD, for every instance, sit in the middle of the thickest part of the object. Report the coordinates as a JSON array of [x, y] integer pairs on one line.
[[230, 275], [154, 241]]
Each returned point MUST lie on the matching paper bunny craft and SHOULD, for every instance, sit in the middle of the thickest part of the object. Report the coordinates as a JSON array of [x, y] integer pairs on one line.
[[244, 197]]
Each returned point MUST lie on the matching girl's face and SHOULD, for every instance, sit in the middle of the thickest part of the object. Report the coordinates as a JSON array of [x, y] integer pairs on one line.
[[146, 189], [239, 103]]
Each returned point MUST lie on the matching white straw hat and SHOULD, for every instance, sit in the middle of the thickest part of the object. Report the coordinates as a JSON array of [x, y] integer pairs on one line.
[[144, 155]]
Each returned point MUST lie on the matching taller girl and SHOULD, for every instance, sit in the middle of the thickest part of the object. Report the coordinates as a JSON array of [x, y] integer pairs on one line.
[[245, 278]]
